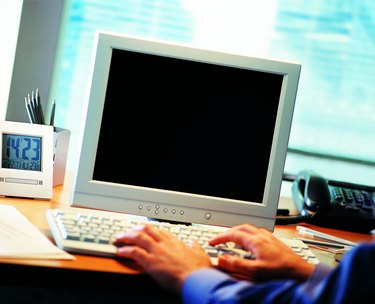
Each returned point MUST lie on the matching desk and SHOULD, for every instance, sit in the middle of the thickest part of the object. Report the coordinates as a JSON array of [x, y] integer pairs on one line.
[[109, 279], [87, 279]]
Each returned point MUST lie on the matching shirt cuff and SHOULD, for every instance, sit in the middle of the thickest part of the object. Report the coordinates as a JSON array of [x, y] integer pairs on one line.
[[321, 270], [199, 285]]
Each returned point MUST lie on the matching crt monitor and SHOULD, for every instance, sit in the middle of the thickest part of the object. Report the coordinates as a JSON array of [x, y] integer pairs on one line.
[[179, 133]]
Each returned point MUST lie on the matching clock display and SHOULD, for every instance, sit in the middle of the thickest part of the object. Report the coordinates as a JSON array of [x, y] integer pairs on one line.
[[21, 152]]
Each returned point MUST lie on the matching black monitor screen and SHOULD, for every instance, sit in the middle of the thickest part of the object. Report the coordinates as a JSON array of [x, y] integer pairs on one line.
[[187, 126]]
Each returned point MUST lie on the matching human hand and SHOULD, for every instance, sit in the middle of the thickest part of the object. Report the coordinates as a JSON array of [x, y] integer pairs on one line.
[[167, 259], [273, 259]]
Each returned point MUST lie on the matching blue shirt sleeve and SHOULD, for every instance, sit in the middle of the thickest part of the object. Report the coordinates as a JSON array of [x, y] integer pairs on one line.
[[352, 281]]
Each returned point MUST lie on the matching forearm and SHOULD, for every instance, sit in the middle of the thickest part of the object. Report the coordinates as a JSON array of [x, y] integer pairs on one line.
[[214, 286], [352, 281]]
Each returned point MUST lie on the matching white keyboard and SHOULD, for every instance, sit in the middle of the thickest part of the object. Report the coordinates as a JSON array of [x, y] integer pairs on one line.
[[92, 232]]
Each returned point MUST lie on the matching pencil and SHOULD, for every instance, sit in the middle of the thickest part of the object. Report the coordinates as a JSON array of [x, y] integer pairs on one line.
[[28, 110], [52, 118], [34, 107], [39, 107]]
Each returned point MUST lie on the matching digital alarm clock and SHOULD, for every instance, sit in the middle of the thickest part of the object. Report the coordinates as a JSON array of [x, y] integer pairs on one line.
[[26, 160]]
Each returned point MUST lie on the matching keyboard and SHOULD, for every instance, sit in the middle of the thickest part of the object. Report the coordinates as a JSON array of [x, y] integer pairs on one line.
[[92, 232]]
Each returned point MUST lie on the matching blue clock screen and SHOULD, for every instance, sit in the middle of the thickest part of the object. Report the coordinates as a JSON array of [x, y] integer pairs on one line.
[[21, 152]]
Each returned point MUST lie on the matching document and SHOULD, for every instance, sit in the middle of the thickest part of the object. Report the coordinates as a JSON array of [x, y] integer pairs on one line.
[[19, 238]]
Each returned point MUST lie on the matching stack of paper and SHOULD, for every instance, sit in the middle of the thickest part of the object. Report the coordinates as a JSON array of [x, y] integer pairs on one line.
[[19, 238]]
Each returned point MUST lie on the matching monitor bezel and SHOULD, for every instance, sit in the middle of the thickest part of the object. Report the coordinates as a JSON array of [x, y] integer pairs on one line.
[[186, 207]]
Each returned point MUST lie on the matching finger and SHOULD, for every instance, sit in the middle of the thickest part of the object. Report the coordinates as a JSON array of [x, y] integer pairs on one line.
[[236, 264], [231, 233], [252, 230], [145, 228], [236, 236], [158, 234], [193, 244], [133, 252], [135, 237], [153, 232], [246, 227]]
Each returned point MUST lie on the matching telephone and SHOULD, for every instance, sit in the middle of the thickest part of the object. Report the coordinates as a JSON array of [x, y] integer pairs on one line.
[[332, 204]]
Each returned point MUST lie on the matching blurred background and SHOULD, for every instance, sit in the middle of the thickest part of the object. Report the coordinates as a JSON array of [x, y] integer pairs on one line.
[[49, 45]]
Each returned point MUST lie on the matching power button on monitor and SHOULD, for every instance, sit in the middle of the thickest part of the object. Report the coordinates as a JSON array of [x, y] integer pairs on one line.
[[208, 216]]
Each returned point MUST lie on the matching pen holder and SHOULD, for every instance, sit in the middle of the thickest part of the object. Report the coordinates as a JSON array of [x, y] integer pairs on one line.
[[61, 145]]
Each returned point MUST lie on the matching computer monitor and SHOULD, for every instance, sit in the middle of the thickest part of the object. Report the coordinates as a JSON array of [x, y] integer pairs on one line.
[[183, 134]]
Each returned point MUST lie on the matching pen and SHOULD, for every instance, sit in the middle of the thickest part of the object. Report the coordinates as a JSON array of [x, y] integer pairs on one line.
[[322, 243]]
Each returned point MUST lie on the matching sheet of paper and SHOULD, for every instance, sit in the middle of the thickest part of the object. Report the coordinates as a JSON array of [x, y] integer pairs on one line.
[[19, 238]]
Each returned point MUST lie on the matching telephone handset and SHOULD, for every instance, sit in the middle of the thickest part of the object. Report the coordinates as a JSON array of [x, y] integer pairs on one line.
[[311, 193], [331, 203]]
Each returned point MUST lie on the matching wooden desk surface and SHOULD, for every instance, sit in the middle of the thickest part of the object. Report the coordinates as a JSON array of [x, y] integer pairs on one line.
[[34, 210]]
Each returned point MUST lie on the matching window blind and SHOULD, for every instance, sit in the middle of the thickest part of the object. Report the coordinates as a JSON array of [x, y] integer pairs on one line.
[[334, 41]]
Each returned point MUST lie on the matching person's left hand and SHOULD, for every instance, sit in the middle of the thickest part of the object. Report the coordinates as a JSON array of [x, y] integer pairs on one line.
[[272, 258], [167, 259]]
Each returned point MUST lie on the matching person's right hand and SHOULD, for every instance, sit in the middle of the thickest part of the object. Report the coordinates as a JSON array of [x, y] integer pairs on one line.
[[273, 258]]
